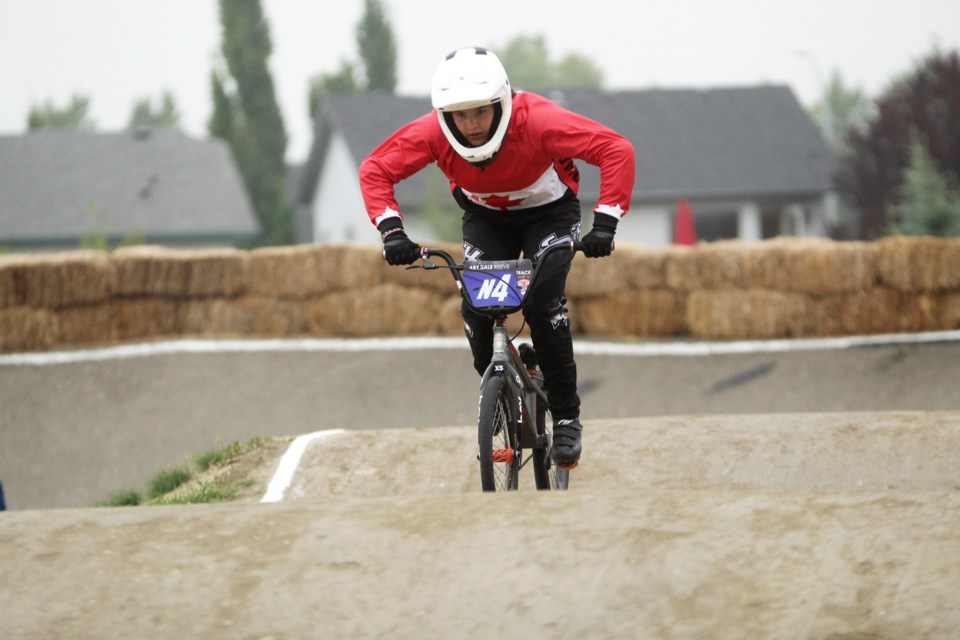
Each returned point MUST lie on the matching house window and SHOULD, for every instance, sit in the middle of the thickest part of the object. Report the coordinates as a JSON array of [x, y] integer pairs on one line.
[[716, 225]]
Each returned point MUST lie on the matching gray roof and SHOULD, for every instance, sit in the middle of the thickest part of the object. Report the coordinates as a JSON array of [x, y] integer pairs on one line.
[[364, 120], [713, 143], [57, 186]]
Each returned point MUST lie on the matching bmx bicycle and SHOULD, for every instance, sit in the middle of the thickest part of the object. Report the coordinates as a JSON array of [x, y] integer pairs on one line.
[[513, 407]]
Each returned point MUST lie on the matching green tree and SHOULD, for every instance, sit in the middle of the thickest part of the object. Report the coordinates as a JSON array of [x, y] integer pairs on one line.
[[164, 115], [72, 116], [223, 121], [930, 205], [528, 64], [343, 81], [378, 48], [245, 110], [576, 71], [378, 60], [925, 102]]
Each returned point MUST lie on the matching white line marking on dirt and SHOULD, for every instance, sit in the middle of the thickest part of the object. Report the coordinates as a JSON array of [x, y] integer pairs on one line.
[[283, 476], [584, 347]]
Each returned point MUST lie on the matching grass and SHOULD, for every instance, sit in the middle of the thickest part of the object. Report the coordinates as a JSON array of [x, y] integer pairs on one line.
[[226, 453], [208, 492], [168, 480], [127, 498]]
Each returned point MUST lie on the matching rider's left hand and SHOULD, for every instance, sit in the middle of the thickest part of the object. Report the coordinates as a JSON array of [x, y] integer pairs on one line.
[[599, 242]]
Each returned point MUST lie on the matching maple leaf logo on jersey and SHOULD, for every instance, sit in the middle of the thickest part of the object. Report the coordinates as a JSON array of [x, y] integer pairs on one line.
[[497, 202]]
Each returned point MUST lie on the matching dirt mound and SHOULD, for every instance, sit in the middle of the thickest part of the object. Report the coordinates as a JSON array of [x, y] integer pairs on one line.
[[836, 452], [754, 526]]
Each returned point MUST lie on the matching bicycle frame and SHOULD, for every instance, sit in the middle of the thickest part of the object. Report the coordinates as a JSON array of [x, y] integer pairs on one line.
[[506, 360]]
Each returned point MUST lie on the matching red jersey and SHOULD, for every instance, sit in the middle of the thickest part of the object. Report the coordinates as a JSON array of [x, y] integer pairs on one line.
[[534, 165]]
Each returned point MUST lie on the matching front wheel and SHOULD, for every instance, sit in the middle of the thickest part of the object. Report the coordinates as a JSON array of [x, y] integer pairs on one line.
[[497, 436]]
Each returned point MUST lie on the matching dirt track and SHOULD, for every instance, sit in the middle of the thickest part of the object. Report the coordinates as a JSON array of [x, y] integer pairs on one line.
[[754, 514], [765, 526], [73, 434]]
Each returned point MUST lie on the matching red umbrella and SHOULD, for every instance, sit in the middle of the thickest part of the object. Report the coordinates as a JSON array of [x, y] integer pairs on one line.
[[684, 232]]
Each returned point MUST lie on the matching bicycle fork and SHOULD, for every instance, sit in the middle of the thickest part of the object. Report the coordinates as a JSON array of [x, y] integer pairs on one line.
[[506, 362]]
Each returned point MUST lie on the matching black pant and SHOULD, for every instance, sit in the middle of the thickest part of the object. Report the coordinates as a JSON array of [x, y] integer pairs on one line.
[[495, 235]]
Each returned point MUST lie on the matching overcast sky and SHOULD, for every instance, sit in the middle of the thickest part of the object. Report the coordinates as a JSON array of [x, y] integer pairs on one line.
[[118, 51]]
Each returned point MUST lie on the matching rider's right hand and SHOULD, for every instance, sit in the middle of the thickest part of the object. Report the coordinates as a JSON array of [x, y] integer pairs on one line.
[[398, 249]]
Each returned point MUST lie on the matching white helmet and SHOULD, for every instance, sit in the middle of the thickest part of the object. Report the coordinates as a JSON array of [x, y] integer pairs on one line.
[[467, 79]]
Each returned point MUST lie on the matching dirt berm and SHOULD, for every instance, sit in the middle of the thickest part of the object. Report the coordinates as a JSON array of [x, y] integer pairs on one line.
[[840, 526]]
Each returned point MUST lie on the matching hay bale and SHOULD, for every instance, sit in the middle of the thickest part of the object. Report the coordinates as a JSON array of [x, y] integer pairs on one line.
[[644, 267], [26, 329], [161, 271], [243, 316], [628, 267], [149, 271], [879, 309], [647, 312], [387, 309], [310, 271], [141, 318], [449, 318], [11, 281], [269, 317], [215, 317], [810, 265], [747, 314], [286, 272], [717, 265], [950, 311], [87, 325], [57, 279], [919, 263]]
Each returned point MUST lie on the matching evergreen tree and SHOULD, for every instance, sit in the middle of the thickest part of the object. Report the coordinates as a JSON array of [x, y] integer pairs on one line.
[[225, 111], [378, 48], [249, 119], [930, 206]]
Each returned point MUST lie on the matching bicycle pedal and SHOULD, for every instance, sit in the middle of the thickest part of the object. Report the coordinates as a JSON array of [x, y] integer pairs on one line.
[[572, 465]]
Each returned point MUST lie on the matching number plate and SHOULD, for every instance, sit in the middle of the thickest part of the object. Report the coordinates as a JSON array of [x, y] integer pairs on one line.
[[497, 284]]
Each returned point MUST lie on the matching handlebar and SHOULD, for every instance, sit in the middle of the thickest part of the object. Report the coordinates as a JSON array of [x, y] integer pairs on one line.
[[426, 253], [509, 303]]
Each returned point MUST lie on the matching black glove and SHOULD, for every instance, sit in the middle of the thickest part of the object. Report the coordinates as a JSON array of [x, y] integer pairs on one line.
[[599, 242], [397, 247]]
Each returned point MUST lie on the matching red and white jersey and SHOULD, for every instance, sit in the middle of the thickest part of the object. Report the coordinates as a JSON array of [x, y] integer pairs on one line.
[[534, 165]]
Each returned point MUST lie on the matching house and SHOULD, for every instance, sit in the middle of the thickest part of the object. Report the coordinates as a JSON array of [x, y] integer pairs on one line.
[[63, 189], [749, 161]]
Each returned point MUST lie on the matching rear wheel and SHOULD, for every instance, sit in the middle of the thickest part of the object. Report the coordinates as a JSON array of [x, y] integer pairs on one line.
[[547, 475], [497, 437]]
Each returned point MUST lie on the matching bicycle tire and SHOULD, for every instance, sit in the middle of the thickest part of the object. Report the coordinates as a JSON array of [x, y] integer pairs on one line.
[[547, 475], [497, 436]]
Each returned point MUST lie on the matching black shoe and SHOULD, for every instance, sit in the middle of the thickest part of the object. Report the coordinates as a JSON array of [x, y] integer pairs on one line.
[[566, 442]]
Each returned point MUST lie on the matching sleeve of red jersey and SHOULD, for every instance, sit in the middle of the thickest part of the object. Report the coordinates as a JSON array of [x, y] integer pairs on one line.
[[405, 152], [565, 134]]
